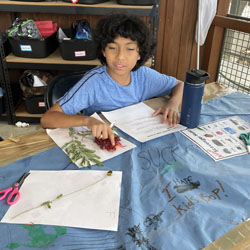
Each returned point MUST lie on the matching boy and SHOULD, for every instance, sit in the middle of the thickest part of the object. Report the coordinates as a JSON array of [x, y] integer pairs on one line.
[[123, 46]]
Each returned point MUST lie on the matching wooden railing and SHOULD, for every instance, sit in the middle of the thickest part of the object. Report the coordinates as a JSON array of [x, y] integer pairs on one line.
[[214, 41]]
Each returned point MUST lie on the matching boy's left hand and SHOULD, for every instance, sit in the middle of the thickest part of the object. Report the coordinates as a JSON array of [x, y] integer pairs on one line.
[[170, 112]]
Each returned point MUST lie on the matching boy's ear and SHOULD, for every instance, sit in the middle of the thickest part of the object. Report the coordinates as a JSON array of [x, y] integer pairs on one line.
[[103, 52]]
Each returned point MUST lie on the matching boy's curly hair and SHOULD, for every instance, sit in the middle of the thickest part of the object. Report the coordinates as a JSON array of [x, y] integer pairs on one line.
[[109, 27]]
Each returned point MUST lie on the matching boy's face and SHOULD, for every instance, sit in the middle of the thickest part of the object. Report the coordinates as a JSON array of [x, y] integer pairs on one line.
[[121, 57]]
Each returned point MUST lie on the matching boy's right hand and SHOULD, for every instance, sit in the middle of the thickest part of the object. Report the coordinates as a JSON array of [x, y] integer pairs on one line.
[[101, 129]]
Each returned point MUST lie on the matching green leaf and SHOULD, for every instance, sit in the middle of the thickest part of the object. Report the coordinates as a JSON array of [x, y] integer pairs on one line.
[[78, 151]]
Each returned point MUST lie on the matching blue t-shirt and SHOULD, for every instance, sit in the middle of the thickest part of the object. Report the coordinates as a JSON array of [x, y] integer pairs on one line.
[[97, 91]]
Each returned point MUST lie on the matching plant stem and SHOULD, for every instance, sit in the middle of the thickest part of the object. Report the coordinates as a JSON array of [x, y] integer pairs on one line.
[[48, 203]]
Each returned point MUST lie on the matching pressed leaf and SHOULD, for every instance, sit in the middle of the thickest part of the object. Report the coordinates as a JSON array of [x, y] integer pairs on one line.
[[78, 151]]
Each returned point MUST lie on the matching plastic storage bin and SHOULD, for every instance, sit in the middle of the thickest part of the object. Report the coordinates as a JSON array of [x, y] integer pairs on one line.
[[2, 107], [77, 49], [33, 48], [16, 97], [35, 104], [6, 44], [136, 2]]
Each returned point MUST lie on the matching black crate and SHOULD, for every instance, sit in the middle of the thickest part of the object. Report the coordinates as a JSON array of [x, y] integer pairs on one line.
[[2, 106], [34, 48], [16, 93], [136, 2], [77, 49], [88, 1], [35, 104], [7, 47], [6, 43]]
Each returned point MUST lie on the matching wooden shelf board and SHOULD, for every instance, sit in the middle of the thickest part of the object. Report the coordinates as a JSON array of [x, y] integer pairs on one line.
[[21, 111], [109, 4], [55, 58]]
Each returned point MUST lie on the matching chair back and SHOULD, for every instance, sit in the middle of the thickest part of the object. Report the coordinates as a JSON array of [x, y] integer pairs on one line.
[[59, 85]]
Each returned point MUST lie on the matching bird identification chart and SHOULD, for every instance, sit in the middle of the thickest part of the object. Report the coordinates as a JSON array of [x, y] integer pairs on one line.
[[138, 122], [73, 198], [220, 139], [83, 149]]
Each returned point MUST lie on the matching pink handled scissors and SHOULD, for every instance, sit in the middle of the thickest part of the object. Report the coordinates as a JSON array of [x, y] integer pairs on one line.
[[14, 196]]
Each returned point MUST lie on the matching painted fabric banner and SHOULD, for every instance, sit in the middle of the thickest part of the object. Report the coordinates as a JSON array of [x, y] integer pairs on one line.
[[173, 195]]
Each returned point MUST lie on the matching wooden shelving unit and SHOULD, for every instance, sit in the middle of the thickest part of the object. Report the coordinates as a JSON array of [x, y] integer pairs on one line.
[[55, 61]]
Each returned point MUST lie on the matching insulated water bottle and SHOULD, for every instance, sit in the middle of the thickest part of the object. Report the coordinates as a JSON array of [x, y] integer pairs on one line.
[[192, 97]]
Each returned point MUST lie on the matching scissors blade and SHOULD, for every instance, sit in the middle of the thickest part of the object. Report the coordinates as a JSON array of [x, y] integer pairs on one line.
[[22, 178], [15, 194]]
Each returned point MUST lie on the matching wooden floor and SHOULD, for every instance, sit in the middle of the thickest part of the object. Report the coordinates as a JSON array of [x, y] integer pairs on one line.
[[236, 239]]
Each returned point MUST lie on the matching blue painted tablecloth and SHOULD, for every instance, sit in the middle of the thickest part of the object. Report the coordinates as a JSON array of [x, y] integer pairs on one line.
[[154, 212]]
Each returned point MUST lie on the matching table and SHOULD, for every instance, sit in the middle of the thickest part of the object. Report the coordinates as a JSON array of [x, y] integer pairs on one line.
[[20, 147], [153, 215]]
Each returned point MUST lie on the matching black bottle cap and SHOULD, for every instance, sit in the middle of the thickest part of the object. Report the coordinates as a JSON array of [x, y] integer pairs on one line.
[[196, 76]]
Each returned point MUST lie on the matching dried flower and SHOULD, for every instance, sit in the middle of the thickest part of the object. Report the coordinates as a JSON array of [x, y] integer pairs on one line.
[[106, 143]]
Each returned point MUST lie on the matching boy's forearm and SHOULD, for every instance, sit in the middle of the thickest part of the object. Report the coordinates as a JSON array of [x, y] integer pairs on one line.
[[177, 93], [55, 119]]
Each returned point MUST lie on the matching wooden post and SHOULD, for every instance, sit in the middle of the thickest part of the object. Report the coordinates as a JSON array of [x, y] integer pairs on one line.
[[176, 37], [213, 45], [187, 38]]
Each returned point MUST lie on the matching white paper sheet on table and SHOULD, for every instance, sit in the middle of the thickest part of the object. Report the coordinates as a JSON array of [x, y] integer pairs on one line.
[[94, 206], [220, 139], [138, 122], [61, 136]]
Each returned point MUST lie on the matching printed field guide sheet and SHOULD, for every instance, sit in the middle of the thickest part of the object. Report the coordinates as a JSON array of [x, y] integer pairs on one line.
[[72, 198], [61, 136], [220, 139], [138, 122]]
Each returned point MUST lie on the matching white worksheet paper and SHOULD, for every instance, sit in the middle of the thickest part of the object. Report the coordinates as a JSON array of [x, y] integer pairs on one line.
[[90, 199], [61, 136], [220, 139], [138, 122]]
